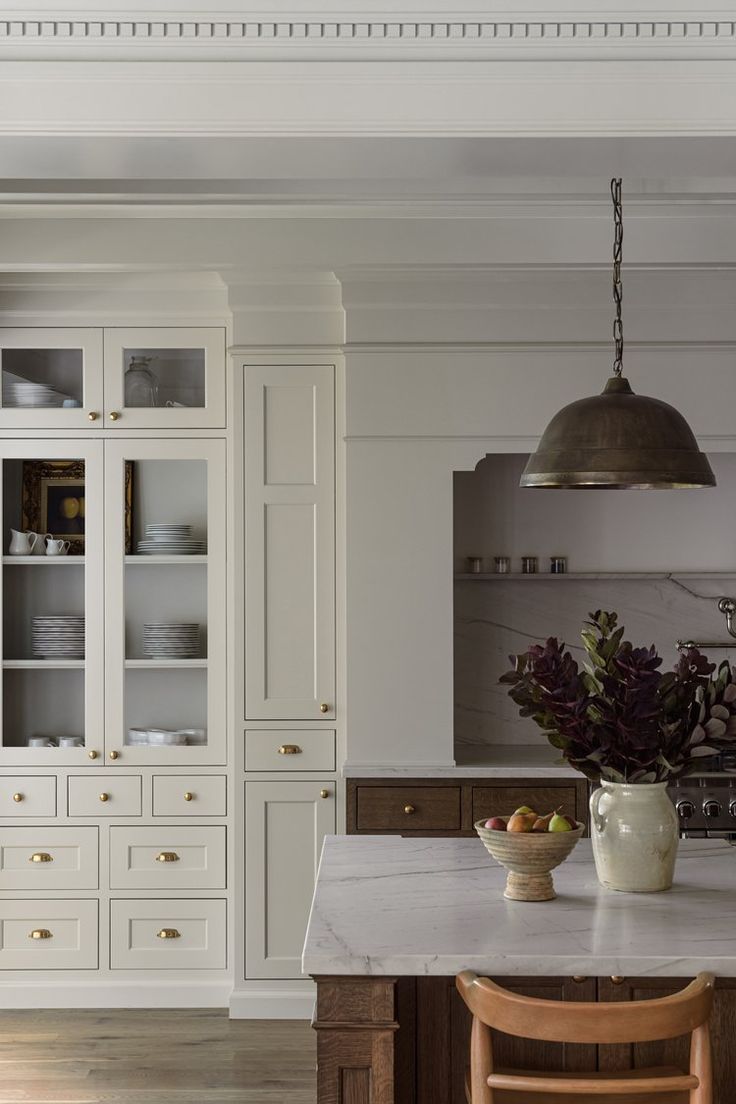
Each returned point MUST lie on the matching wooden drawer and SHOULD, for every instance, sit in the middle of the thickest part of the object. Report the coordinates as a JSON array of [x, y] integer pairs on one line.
[[197, 942], [102, 795], [189, 795], [502, 800], [48, 858], [409, 808], [37, 795], [143, 858], [71, 943], [274, 750]]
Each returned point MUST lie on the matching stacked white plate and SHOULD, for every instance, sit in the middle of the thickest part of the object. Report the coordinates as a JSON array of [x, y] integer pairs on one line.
[[58, 636], [171, 640], [20, 392], [170, 539]]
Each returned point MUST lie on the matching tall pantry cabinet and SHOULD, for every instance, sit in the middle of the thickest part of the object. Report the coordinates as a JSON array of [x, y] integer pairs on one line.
[[289, 701], [113, 725]]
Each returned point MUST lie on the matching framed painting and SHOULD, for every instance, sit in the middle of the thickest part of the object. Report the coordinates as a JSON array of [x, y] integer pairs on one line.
[[54, 501]]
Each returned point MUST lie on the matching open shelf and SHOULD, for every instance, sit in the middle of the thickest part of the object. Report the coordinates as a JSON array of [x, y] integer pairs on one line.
[[163, 561], [544, 576], [44, 561], [43, 664], [174, 664]]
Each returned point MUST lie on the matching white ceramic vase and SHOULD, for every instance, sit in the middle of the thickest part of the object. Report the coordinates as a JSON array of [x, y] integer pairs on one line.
[[634, 829]]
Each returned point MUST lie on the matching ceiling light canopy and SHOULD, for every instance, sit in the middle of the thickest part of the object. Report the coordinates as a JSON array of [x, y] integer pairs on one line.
[[618, 439]]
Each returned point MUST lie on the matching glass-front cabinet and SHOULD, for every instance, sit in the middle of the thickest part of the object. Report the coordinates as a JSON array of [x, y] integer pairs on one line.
[[127, 378], [113, 602]]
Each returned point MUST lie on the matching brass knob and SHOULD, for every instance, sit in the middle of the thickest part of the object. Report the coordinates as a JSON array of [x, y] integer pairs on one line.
[[324, 708], [324, 793], [409, 809], [617, 979], [114, 754], [167, 856], [40, 933], [169, 933], [579, 978], [290, 749], [40, 857], [93, 415], [188, 796], [104, 797], [114, 415], [92, 754], [17, 797]]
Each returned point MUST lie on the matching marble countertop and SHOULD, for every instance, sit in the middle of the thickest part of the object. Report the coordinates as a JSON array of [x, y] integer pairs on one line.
[[479, 761], [393, 906]]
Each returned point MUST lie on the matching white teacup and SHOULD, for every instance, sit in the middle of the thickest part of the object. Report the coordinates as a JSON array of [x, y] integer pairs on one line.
[[71, 741], [56, 547], [40, 741]]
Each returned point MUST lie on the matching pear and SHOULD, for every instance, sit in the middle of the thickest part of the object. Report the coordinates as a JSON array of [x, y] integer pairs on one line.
[[541, 824], [498, 824], [521, 822], [559, 823], [523, 810]]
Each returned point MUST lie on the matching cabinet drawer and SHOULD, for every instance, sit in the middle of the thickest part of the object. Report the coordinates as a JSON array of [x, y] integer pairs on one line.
[[189, 795], [173, 935], [70, 928], [409, 808], [48, 858], [101, 795], [289, 750], [180, 857], [501, 800], [28, 796]]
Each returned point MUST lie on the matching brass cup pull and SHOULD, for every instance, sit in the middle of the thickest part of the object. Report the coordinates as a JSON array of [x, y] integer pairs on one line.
[[617, 979], [324, 793], [41, 857], [17, 798], [168, 933], [114, 415], [93, 415], [324, 708], [104, 797], [188, 796], [167, 856], [114, 754], [409, 809], [579, 978], [40, 933], [92, 754], [290, 749]]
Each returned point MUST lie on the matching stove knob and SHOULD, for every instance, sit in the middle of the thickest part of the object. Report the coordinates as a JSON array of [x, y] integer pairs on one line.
[[732, 807], [712, 808], [685, 809]]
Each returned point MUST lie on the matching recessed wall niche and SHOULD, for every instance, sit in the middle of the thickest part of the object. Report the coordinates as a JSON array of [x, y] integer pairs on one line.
[[661, 559]]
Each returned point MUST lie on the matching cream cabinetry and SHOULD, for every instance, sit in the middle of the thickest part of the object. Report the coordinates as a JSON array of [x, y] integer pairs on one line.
[[49, 935]]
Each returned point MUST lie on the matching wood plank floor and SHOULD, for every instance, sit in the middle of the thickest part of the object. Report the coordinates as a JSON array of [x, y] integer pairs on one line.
[[185, 1056]]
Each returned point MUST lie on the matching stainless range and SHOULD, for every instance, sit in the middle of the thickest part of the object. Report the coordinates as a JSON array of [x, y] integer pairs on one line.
[[706, 802]]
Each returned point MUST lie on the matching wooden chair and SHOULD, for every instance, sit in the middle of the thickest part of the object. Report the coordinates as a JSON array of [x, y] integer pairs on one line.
[[686, 1012]]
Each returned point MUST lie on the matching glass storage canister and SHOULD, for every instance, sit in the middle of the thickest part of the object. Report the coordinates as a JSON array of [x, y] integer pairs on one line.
[[140, 383]]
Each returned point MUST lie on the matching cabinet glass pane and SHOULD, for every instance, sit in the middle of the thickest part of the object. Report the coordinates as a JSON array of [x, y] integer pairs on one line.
[[43, 592], [42, 379], [172, 378], [165, 702]]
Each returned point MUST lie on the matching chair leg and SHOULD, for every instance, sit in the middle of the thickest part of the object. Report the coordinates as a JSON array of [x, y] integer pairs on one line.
[[481, 1063], [701, 1065]]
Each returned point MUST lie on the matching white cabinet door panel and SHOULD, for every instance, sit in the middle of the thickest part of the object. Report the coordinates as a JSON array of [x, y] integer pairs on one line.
[[285, 823], [162, 858], [272, 749], [28, 796], [48, 935], [168, 935], [48, 858]]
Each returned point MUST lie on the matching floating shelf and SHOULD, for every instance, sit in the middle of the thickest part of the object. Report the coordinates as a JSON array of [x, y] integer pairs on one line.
[[43, 664], [163, 561], [547, 576], [44, 561], [162, 664]]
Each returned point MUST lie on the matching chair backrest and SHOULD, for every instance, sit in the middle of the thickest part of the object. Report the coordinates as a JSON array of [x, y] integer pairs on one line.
[[588, 1022]]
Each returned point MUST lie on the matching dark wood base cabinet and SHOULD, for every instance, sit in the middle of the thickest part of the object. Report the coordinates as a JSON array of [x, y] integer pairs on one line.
[[406, 1040]]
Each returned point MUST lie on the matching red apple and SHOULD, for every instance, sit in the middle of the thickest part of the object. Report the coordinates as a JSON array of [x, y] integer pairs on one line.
[[498, 824]]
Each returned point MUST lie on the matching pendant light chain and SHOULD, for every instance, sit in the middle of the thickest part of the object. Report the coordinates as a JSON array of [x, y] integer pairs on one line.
[[618, 242]]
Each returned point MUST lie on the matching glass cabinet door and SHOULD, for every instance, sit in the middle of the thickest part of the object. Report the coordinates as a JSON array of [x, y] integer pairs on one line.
[[50, 378], [159, 378], [165, 591], [52, 603]]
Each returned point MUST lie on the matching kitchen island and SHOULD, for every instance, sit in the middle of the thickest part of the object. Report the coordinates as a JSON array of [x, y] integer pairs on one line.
[[394, 920]]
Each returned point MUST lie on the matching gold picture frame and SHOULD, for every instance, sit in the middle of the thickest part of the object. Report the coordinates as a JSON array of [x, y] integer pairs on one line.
[[53, 501]]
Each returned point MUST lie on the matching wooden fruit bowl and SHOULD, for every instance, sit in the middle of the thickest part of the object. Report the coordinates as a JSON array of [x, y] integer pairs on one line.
[[529, 857]]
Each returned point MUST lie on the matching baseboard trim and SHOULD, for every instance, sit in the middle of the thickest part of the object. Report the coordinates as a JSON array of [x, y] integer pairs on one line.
[[273, 1004], [75, 994]]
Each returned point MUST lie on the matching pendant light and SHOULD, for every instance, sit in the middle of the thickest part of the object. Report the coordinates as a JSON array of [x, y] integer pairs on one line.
[[618, 439]]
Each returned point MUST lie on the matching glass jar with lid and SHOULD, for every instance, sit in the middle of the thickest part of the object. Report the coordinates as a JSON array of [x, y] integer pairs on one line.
[[141, 382]]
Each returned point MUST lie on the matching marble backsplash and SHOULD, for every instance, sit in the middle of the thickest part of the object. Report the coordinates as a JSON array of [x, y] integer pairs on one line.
[[498, 617]]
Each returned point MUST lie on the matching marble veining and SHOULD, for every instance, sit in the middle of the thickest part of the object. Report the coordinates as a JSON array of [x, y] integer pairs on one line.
[[479, 761], [386, 905]]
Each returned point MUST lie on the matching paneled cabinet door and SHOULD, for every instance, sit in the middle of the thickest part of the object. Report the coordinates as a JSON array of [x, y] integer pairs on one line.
[[289, 542], [50, 378], [285, 823], [165, 378], [165, 536], [52, 605]]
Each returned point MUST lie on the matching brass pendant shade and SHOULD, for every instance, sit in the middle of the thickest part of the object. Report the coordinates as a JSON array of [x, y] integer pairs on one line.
[[618, 439]]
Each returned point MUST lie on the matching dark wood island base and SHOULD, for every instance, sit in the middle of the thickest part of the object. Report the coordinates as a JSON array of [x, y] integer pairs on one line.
[[405, 1040]]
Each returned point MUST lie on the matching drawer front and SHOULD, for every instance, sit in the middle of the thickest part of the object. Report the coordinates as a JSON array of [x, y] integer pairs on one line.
[[70, 928], [28, 796], [102, 795], [289, 750], [168, 935], [491, 801], [48, 858], [189, 795], [179, 857], [408, 808]]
